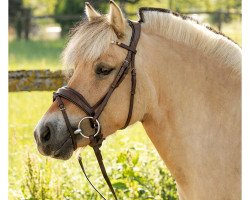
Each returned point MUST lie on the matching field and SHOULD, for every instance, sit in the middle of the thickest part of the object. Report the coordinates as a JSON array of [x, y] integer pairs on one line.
[[132, 163], [35, 54]]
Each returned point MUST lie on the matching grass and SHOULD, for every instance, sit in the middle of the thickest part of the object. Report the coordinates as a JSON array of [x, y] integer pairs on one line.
[[132, 162], [24, 55]]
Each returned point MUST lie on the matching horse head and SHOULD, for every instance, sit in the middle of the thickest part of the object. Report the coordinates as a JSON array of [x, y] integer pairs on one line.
[[94, 53]]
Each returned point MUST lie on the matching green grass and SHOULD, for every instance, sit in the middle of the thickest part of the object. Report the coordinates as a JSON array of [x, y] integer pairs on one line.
[[24, 55], [132, 162]]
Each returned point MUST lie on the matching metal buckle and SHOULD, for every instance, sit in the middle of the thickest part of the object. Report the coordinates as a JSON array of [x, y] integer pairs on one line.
[[79, 130], [61, 107]]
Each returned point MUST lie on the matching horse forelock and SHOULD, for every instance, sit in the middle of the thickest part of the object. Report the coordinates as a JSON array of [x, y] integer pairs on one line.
[[88, 41]]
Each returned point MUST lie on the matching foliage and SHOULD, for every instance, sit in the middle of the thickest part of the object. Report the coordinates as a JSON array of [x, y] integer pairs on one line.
[[217, 6], [205, 5], [74, 8], [15, 13], [130, 177], [68, 7], [40, 7], [183, 6], [226, 7], [15, 7]]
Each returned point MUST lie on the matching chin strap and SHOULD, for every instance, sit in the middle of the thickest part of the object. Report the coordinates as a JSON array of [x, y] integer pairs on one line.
[[96, 143]]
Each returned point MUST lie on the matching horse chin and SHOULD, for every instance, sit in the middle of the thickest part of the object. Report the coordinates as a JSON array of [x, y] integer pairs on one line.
[[65, 152]]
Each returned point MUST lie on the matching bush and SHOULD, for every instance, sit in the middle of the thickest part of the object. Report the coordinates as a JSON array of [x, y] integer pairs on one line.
[[133, 177]]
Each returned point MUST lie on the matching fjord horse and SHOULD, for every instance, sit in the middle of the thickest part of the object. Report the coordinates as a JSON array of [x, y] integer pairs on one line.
[[188, 96]]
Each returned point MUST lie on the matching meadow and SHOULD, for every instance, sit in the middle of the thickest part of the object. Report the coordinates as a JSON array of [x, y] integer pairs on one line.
[[39, 54], [134, 166]]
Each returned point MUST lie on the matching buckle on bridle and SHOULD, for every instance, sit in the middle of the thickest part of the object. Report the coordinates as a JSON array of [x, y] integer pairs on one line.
[[63, 108], [97, 127]]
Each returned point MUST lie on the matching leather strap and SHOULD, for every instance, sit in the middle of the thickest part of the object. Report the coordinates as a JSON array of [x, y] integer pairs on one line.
[[65, 116], [94, 145], [86, 176], [75, 98]]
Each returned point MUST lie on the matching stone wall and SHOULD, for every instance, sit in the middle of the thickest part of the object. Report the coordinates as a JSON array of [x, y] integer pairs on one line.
[[35, 80]]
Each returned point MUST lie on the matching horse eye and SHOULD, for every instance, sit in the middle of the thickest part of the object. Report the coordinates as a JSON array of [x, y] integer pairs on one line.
[[102, 70]]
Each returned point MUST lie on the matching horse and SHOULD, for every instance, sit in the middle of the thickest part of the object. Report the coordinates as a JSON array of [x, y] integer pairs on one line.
[[188, 96]]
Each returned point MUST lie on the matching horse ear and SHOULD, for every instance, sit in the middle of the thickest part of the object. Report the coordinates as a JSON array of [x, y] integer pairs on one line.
[[116, 19], [91, 12]]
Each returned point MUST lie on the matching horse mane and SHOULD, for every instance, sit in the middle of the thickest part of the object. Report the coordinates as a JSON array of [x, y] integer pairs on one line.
[[90, 39], [186, 30]]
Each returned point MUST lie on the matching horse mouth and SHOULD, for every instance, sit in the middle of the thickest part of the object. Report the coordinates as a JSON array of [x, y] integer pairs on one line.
[[65, 151]]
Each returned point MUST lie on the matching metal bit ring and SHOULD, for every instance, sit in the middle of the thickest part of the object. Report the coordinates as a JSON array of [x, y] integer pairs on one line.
[[79, 130]]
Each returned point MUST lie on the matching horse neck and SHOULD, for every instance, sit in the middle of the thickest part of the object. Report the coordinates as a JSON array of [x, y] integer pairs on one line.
[[195, 100]]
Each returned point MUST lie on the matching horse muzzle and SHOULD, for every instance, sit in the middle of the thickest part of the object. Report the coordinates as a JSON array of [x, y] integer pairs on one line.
[[53, 141]]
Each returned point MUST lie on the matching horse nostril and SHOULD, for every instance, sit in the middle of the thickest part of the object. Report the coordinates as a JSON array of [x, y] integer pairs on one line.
[[46, 135]]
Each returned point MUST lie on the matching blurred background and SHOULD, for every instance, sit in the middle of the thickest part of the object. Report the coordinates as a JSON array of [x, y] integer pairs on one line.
[[38, 32]]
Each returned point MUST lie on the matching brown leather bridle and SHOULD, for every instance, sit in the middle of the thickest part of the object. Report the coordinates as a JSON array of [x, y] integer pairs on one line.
[[95, 111]]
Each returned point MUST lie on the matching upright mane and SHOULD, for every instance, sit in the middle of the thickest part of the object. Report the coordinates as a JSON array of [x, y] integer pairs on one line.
[[91, 39], [188, 31]]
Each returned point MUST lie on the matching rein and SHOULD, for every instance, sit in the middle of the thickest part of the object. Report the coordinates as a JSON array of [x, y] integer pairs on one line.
[[95, 111]]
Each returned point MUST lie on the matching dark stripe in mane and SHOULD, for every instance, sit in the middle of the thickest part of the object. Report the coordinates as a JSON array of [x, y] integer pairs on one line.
[[184, 17]]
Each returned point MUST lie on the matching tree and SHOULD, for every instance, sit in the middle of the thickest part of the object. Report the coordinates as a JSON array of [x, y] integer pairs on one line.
[[122, 4], [221, 8], [74, 8], [40, 7], [15, 6], [223, 15], [15, 16]]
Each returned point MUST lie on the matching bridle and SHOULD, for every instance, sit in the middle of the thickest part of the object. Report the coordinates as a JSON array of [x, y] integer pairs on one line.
[[95, 111]]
